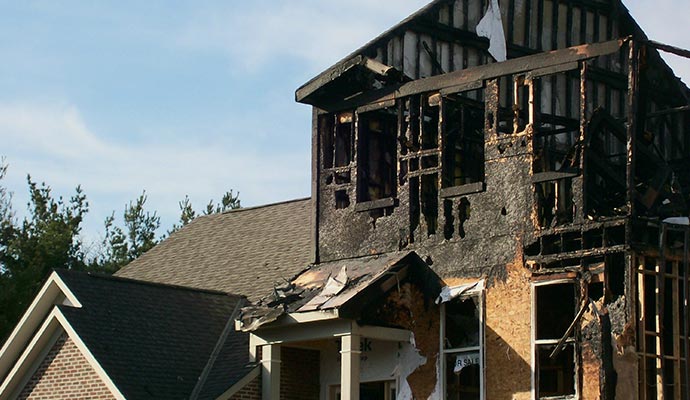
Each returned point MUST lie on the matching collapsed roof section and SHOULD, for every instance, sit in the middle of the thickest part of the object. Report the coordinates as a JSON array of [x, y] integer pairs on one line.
[[342, 288]]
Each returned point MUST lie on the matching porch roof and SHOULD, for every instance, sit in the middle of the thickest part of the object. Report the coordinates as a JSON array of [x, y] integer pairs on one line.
[[341, 288]]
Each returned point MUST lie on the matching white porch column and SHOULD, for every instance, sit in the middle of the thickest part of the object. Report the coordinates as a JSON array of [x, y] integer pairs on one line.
[[349, 367], [270, 372]]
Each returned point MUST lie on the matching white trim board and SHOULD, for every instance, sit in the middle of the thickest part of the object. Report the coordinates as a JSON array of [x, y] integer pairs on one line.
[[53, 292], [32, 355]]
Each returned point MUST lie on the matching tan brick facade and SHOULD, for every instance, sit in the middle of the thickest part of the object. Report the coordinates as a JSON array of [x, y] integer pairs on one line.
[[65, 374]]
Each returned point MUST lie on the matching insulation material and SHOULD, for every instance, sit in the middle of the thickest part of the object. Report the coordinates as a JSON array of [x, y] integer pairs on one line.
[[491, 27], [678, 221]]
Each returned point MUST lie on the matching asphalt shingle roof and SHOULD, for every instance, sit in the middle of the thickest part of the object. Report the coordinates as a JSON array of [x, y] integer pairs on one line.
[[243, 251], [154, 341]]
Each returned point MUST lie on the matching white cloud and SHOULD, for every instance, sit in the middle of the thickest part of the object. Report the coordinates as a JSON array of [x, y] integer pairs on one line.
[[316, 32], [55, 145]]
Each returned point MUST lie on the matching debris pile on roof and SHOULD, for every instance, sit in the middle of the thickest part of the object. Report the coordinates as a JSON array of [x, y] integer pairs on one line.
[[339, 286]]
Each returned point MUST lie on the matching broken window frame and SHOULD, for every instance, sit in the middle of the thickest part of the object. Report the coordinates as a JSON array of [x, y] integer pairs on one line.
[[571, 341], [473, 292], [476, 183], [336, 162], [364, 201]]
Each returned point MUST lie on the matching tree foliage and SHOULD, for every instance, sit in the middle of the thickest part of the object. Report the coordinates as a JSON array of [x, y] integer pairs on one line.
[[49, 237], [124, 244]]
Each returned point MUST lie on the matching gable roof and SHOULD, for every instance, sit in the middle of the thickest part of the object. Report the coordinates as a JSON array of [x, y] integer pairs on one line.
[[153, 341], [244, 251], [342, 288], [149, 340]]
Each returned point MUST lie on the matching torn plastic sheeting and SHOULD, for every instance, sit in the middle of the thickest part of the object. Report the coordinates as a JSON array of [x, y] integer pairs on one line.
[[491, 27], [410, 360], [449, 293], [677, 221]]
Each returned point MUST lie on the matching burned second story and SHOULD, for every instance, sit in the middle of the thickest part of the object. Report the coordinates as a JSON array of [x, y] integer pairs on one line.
[[563, 121]]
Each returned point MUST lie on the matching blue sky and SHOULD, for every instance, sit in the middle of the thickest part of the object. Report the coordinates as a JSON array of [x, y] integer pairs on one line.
[[187, 97]]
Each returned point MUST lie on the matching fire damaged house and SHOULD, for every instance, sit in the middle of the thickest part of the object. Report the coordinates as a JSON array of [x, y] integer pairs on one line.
[[500, 200], [499, 210]]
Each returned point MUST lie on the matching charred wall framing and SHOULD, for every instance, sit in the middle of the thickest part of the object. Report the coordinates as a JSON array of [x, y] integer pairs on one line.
[[661, 280], [555, 156]]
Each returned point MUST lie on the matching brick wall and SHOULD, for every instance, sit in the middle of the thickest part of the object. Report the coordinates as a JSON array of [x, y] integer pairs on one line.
[[65, 374], [252, 391], [299, 379]]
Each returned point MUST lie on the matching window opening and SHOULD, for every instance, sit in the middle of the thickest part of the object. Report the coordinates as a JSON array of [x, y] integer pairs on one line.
[[430, 121], [554, 202], [344, 134], [377, 156], [462, 347], [429, 199], [463, 118], [326, 132], [555, 310], [513, 109], [605, 175], [557, 123]]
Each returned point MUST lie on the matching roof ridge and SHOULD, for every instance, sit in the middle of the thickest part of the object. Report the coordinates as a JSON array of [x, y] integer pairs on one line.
[[100, 275], [280, 203]]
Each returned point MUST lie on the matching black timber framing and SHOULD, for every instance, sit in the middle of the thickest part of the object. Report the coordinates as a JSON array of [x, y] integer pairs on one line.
[[481, 73]]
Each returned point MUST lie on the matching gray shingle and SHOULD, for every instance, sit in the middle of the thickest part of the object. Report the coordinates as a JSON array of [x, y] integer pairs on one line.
[[154, 341], [244, 251]]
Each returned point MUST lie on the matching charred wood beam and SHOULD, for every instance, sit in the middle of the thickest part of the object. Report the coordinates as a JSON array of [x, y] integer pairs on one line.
[[572, 255], [434, 57], [557, 350], [468, 38], [602, 168], [668, 111], [613, 79], [552, 176], [669, 49], [510, 67], [479, 74]]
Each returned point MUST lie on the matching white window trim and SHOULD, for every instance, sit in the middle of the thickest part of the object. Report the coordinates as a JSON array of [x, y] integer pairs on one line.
[[468, 291], [535, 342]]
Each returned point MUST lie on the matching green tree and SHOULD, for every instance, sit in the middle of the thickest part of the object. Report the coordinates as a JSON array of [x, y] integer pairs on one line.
[[46, 238], [229, 201], [124, 244]]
